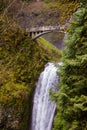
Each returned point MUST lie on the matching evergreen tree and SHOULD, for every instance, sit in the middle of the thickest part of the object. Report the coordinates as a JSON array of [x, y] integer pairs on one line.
[[72, 97]]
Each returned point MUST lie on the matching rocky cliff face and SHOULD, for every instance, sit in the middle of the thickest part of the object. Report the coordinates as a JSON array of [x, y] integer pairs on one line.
[[42, 13], [47, 13]]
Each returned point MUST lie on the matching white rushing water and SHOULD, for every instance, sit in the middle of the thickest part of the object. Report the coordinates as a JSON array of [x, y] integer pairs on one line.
[[43, 107]]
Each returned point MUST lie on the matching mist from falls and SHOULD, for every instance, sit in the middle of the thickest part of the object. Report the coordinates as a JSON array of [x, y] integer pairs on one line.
[[43, 107]]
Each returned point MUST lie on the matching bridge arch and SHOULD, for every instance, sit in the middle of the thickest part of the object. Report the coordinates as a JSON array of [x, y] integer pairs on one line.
[[40, 34], [36, 32]]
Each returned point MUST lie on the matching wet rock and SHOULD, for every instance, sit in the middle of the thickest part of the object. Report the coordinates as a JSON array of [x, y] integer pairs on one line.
[[56, 15], [34, 14], [8, 120]]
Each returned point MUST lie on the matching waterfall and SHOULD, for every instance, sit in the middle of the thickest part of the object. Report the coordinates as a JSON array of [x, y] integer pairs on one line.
[[43, 107]]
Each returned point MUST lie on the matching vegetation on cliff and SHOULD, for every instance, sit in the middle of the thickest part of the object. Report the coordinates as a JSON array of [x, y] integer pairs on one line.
[[72, 97], [21, 62]]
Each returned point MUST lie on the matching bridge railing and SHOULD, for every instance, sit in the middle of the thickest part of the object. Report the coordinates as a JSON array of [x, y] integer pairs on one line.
[[43, 28]]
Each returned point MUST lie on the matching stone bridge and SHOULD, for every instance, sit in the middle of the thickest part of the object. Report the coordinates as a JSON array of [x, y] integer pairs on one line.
[[36, 32]]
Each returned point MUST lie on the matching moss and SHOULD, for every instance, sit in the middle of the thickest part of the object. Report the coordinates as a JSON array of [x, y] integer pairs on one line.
[[21, 62], [50, 49]]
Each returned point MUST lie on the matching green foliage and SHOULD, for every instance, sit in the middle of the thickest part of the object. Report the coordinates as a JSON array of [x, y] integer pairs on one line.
[[21, 62], [72, 96]]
